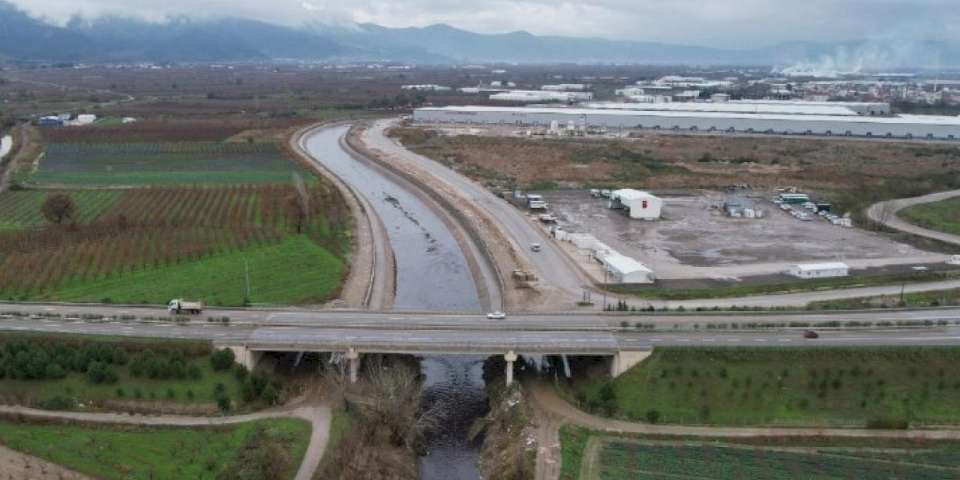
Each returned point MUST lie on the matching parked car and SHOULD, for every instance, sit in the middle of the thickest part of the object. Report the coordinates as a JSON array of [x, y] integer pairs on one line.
[[811, 334], [497, 316]]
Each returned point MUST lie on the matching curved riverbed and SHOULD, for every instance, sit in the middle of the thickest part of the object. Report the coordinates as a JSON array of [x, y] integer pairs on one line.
[[432, 274]]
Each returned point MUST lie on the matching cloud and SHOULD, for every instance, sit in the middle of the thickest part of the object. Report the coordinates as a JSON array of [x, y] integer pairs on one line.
[[725, 23]]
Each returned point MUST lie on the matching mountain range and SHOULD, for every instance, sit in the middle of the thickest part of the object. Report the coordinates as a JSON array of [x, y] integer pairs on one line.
[[123, 40]]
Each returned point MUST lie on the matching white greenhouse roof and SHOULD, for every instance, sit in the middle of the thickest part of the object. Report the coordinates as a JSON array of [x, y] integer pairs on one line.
[[624, 265], [758, 108]]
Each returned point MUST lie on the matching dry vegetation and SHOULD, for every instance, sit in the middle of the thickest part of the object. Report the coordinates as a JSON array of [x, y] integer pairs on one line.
[[851, 170]]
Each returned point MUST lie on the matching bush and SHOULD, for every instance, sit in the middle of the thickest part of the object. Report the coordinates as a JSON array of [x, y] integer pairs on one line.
[[222, 359], [58, 403], [652, 416], [99, 373]]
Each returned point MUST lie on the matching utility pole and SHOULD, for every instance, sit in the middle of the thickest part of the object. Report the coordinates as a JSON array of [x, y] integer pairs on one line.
[[246, 276]]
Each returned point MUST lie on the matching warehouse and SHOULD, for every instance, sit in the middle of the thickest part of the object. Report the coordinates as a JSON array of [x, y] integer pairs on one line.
[[638, 204], [903, 126], [819, 270], [726, 107]]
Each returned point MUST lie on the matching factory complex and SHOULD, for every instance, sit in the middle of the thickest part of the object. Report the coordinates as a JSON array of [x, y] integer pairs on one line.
[[802, 119]]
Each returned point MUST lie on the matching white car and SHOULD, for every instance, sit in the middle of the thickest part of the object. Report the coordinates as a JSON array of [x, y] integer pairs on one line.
[[496, 315], [535, 247]]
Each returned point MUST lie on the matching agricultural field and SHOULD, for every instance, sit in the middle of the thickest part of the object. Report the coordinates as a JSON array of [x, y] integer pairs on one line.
[[162, 163], [891, 387], [94, 373], [606, 457], [21, 209], [165, 453], [943, 216], [188, 240]]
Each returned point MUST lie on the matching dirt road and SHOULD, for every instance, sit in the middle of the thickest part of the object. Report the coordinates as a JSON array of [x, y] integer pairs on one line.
[[885, 213]]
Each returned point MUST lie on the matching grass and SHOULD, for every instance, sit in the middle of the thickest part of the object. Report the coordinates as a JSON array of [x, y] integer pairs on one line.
[[163, 163], [778, 288], [882, 387], [935, 298], [135, 453], [142, 390], [21, 209], [573, 444], [640, 457], [296, 270], [341, 424], [943, 216]]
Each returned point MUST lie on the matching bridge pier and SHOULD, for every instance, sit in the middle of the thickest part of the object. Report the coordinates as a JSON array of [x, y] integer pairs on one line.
[[625, 360], [510, 357], [246, 357], [353, 357]]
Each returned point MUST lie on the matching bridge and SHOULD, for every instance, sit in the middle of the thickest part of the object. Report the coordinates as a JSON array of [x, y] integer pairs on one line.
[[252, 332]]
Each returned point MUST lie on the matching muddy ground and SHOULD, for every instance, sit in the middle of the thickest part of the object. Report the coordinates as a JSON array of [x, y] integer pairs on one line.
[[694, 232]]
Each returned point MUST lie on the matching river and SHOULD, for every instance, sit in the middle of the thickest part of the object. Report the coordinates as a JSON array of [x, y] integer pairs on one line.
[[432, 274]]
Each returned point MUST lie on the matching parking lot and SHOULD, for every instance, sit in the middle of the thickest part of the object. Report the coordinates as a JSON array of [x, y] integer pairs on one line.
[[695, 238]]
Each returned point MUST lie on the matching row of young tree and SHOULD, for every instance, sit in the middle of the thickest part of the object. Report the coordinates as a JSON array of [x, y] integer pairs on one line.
[[34, 360]]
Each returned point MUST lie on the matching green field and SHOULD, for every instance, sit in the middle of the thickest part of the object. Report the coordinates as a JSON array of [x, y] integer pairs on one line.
[[881, 387], [943, 216], [21, 209], [296, 270], [594, 455], [54, 372], [934, 298], [163, 163], [154, 453]]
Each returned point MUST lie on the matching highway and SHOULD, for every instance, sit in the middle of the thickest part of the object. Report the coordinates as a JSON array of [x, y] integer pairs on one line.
[[393, 332]]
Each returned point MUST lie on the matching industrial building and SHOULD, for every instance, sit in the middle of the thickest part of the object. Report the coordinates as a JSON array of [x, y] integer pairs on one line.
[[726, 107], [902, 126], [532, 96], [619, 268], [819, 270], [639, 204]]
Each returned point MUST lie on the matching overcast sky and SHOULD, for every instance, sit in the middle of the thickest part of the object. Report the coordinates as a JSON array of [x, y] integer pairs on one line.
[[726, 23]]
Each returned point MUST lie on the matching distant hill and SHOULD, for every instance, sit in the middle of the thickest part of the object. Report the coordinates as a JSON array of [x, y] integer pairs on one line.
[[114, 39]]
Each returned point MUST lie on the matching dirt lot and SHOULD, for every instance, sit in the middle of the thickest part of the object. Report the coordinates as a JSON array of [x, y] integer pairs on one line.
[[850, 171], [695, 239]]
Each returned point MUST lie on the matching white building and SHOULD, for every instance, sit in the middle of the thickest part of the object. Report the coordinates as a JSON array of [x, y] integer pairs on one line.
[[639, 204], [565, 87], [531, 96], [954, 260], [623, 269], [819, 270]]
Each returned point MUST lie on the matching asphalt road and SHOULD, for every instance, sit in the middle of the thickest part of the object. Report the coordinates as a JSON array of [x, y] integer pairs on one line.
[[886, 213], [532, 334]]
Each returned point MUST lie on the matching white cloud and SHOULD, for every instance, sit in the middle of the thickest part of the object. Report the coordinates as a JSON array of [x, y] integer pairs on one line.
[[727, 23]]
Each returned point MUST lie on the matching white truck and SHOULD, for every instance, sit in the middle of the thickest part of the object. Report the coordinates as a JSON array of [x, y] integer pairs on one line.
[[179, 305]]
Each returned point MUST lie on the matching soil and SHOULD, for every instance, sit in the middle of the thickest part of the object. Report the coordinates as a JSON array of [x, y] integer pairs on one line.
[[19, 466]]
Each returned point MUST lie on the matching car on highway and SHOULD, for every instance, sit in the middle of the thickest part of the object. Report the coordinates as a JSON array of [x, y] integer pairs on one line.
[[535, 247], [811, 334], [497, 316]]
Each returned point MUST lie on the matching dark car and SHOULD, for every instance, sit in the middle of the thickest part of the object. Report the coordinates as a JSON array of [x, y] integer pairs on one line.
[[811, 334]]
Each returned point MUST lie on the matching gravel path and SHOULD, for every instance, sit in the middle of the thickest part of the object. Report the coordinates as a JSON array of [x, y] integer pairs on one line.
[[885, 213]]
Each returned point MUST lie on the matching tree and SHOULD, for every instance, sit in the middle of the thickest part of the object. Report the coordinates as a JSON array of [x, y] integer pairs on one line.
[[59, 208]]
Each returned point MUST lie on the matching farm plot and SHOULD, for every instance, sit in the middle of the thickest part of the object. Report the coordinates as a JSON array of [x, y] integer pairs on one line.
[[21, 209], [891, 387], [163, 163], [151, 234], [625, 459]]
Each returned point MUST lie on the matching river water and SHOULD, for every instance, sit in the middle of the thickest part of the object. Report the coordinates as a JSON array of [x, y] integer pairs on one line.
[[432, 274]]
